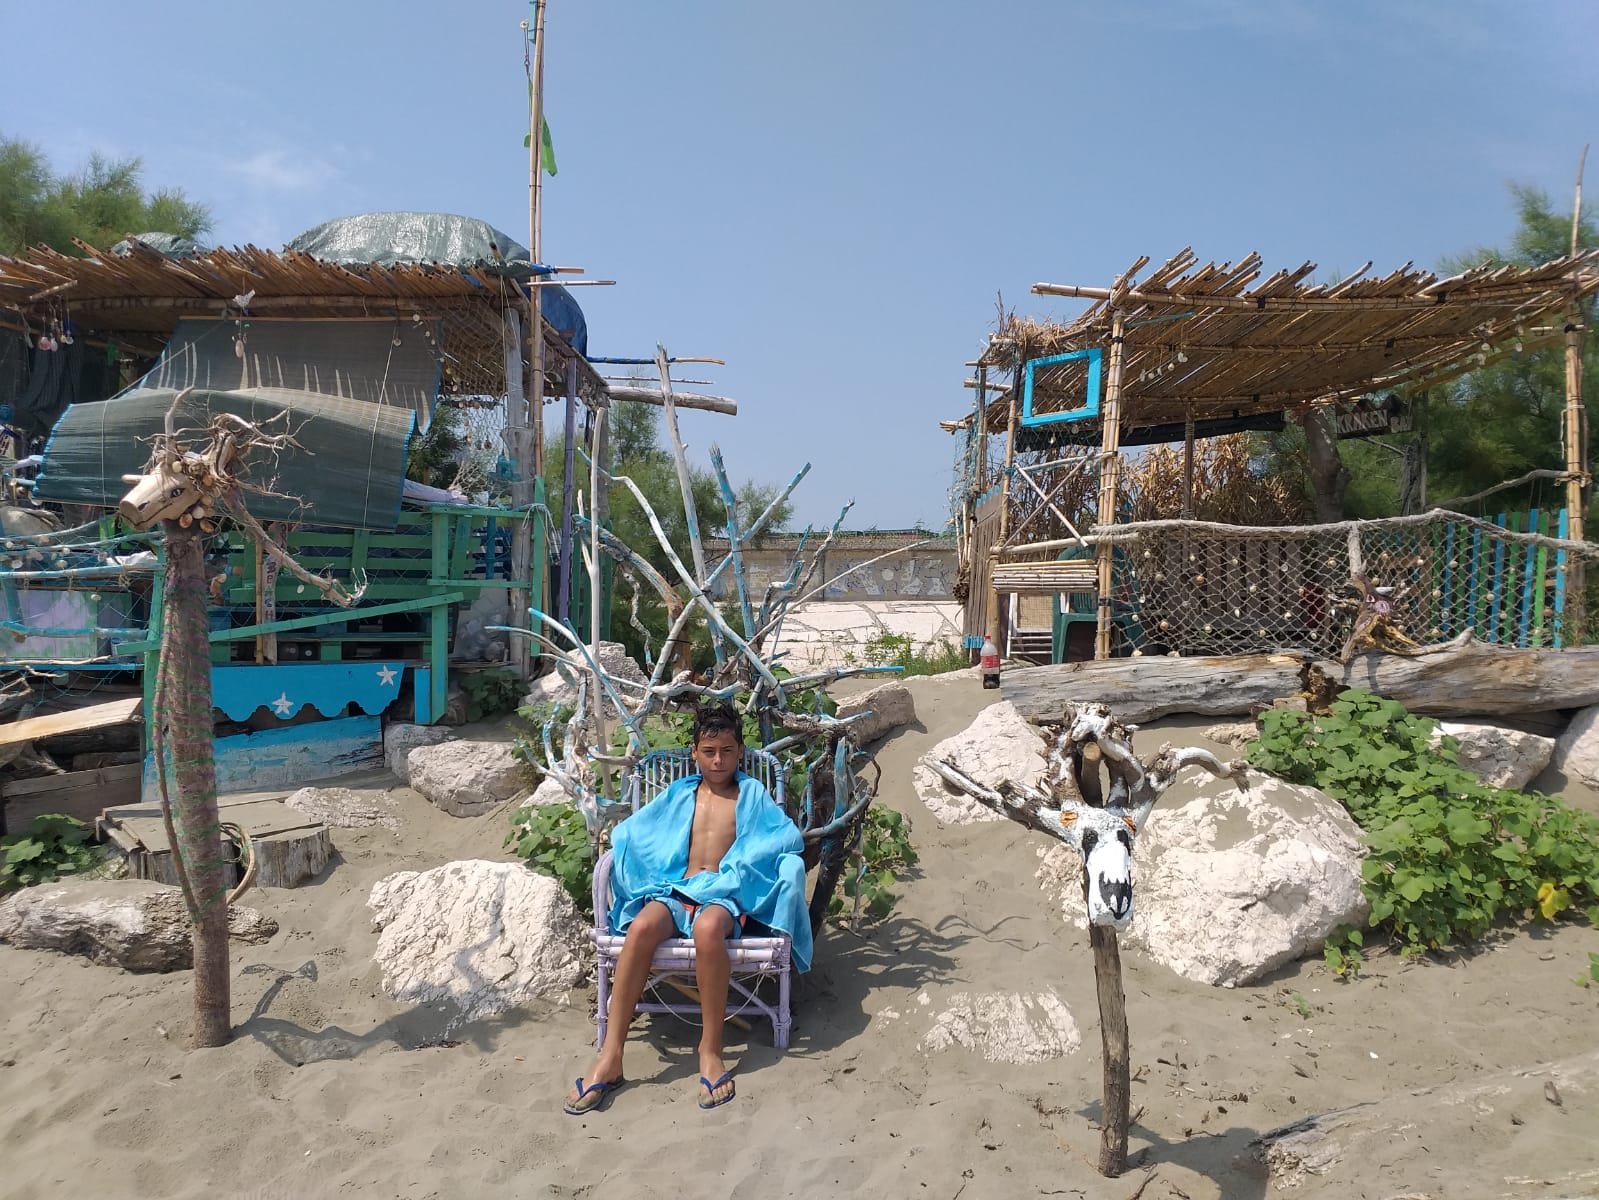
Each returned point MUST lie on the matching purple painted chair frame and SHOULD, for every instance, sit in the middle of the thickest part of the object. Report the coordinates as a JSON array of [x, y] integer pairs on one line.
[[753, 958]]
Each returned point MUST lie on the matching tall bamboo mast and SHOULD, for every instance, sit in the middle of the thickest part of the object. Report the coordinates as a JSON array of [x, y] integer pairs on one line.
[[524, 405], [1110, 476]]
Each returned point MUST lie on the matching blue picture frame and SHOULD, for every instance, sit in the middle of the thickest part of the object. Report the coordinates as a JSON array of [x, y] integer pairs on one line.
[[1088, 412]]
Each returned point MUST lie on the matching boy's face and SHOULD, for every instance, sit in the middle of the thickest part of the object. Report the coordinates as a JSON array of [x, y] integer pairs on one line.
[[717, 754]]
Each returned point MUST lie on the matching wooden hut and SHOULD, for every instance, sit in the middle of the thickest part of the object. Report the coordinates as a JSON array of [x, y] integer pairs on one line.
[[1192, 350]]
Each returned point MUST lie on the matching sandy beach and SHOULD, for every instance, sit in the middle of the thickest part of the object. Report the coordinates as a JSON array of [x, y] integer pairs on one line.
[[331, 1089]]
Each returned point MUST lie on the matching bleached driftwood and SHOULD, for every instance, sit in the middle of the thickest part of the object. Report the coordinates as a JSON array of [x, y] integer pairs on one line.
[[1142, 689], [1462, 680]]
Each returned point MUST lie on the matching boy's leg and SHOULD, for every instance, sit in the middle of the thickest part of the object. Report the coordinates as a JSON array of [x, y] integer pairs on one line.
[[712, 926], [649, 929]]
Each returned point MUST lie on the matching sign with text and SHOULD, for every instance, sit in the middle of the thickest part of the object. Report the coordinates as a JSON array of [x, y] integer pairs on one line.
[[1368, 418]]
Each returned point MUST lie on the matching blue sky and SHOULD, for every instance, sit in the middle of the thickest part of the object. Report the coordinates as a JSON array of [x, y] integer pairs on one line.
[[832, 195]]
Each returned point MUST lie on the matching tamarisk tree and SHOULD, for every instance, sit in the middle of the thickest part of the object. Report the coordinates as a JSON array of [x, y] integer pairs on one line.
[[186, 490]]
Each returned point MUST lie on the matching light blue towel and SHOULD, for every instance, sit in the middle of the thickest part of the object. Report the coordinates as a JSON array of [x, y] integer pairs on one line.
[[762, 873]]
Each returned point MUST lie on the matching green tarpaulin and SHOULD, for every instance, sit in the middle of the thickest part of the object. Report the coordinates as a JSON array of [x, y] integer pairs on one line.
[[349, 473]]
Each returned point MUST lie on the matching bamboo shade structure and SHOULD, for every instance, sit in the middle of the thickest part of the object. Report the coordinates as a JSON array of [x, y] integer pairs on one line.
[[138, 300], [1219, 340]]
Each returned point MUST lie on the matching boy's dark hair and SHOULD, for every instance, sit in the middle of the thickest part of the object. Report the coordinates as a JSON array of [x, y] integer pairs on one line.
[[716, 716]]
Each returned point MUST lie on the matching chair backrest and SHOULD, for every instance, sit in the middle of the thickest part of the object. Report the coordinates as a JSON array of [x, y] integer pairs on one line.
[[659, 768]]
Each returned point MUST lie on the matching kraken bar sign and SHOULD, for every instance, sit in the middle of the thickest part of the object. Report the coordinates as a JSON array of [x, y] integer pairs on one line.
[[1373, 415]]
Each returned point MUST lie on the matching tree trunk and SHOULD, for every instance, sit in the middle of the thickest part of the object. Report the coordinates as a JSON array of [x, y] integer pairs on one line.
[[183, 708], [1145, 689], [1329, 478]]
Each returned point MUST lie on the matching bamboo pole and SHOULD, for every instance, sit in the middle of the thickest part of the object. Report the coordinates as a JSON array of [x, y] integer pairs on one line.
[[530, 465], [1577, 478], [996, 623], [563, 602], [1188, 465], [1110, 465], [516, 445]]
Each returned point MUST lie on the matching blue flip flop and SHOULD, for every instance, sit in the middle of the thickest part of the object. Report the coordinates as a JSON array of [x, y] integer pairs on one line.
[[710, 1090], [593, 1098]]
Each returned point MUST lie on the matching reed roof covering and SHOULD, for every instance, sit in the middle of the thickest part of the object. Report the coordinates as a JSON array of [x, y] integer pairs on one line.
[[1225, 340], [138, 297]]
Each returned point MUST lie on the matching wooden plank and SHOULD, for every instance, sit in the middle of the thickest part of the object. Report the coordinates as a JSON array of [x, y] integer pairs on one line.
[[96, 716], [80, 794], [1540, 635]]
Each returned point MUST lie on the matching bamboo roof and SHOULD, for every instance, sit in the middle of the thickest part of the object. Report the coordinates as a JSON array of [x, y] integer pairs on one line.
[[1225, 340], [137, 300]]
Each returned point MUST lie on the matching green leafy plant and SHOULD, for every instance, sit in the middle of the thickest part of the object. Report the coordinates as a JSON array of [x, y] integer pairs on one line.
[[54, 845], [490, 693], [885, 854], [1449, 856], [899, 650], [553, 841]]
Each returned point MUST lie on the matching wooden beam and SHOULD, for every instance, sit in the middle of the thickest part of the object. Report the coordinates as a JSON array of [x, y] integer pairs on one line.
[[646, 395], [96, 716], [1110, 476]]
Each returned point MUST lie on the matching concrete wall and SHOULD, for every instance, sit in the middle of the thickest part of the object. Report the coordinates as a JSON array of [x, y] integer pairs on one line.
[[907, 594], [926, 573]]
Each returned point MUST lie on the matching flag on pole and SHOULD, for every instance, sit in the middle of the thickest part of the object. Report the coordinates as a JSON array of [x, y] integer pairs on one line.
[[546, 146]]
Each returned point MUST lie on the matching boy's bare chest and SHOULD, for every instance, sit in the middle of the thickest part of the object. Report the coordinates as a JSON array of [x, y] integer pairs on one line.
[[713, 829]]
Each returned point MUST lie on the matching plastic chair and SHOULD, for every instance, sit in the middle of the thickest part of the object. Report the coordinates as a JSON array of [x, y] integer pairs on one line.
[[753, 958]]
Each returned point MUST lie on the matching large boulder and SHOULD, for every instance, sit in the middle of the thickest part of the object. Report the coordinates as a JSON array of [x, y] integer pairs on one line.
[[400, 739], [479, 936], [466, 779], [999, 744], [1235, 882], [135, 924], [559, 686], [891, 706], [1577, 751], [1500, 757]]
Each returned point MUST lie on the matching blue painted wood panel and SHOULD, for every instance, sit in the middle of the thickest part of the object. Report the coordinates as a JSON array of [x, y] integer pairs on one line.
[[286, 688], [286, 758]]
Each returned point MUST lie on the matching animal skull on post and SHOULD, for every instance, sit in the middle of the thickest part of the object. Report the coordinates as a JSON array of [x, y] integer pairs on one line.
[[1103, 836]]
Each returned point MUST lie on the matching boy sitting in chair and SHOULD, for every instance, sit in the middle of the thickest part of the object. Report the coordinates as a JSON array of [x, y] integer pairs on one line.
[[712, 853]]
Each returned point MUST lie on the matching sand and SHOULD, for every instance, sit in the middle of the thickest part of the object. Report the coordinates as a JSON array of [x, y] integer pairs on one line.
[[330, 1089]]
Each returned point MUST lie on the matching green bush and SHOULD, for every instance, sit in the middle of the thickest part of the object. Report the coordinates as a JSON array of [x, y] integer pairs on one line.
[[553, 840], [1449, 856], [886, 853], [54, 845], [490, 693], [898, 650]]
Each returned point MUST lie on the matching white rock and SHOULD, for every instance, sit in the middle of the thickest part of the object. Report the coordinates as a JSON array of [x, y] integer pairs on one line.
[[547, 792], [891, 706], [479, 936], [135, 924], [1577, 752], [999, 744], [343, 809], [1006, 1026], [466, 779], [400, 740], [1234, 733], [1233, 884], [559, 686], [1500, 757]]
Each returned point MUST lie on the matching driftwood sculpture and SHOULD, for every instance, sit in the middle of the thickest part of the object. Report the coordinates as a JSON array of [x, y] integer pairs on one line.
[[186, 490], [831, 808], [1070, 804]]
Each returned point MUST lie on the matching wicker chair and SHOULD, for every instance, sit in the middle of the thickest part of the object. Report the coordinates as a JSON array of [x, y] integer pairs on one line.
[[753, 958]]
